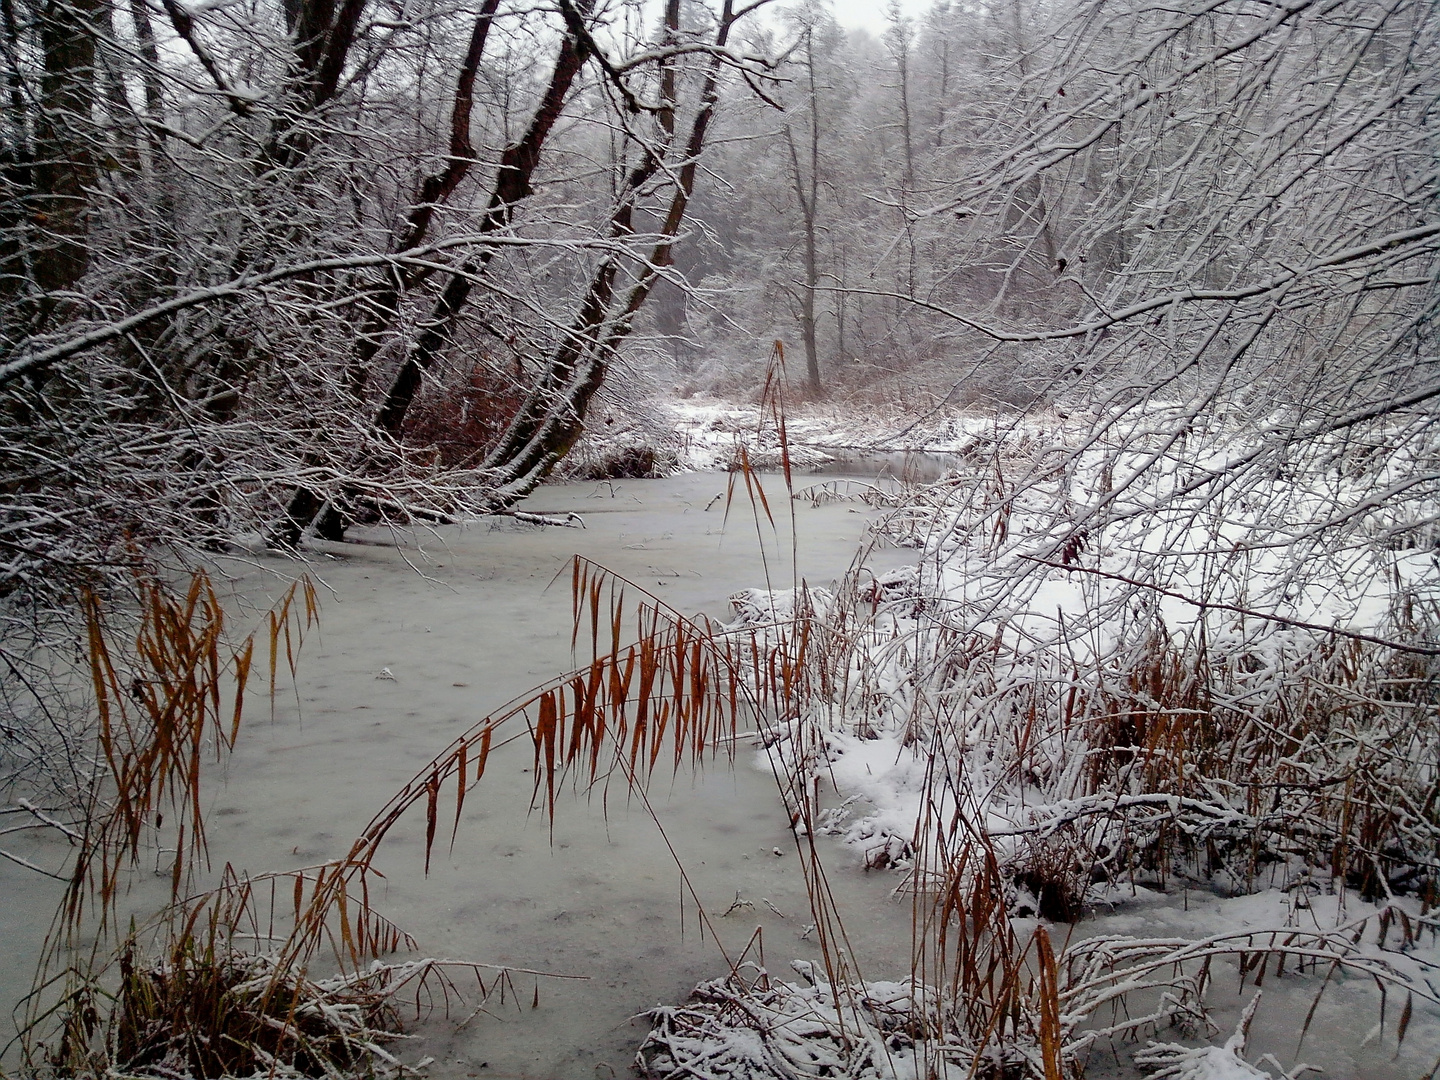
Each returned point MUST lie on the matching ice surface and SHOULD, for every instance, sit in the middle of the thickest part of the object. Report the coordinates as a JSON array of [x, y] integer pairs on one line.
[[463, 619]]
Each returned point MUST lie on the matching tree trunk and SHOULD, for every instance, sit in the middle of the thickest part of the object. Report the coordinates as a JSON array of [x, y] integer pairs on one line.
[[64, 170], [383, 306], [811, 280], [323, 36], [553, 416], [512, 186], [807, 193]]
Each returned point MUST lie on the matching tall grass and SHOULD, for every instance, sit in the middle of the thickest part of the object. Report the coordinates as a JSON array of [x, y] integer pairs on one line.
[[169, 695], [1112, 751]]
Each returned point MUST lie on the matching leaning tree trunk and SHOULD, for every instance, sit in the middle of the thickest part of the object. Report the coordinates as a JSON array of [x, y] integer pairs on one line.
[[553, 416], [383, 305], [512, 186]]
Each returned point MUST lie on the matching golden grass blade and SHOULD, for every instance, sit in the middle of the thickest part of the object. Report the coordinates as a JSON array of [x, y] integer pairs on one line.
[[1049, 991], [579, 719], [274, 654], [595, 588], [346, 940], [774, 397], [545, 748], [242, 677], [432, 803], [577, 593], [756, 489], [484, 754], [597, 733], [461, 775], [617, 607]]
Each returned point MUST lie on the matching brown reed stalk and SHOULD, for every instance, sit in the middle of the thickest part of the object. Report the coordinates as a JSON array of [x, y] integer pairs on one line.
[[167, 699]]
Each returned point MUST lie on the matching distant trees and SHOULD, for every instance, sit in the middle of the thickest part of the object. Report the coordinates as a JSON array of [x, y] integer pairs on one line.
[[830, 218], [805, 170], [1000, 191]]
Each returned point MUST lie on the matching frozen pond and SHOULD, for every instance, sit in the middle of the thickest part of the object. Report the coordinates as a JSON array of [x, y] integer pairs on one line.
[[423, 633], [464, 619]]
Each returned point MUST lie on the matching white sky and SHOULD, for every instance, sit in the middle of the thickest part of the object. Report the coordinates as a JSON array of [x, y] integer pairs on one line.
[[870, 14]]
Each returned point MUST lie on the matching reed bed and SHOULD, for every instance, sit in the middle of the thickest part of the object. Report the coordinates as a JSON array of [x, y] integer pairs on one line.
[[1183, 692]]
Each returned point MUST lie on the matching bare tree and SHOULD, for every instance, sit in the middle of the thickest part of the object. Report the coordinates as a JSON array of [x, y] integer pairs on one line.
[[1265, 174], [805, 178]]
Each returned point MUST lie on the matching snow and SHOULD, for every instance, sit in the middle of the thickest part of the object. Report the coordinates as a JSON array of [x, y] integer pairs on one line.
[[711, 431], [1098, 559], [485, 622]]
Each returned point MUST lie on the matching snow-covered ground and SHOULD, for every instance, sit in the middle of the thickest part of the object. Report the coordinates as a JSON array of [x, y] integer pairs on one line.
[[711, 432], [1151, 666]]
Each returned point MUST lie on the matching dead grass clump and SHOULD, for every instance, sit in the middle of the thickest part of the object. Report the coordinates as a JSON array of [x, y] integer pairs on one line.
[[209, 1015], [768, 1029], [1278, 756], [981, 1001]]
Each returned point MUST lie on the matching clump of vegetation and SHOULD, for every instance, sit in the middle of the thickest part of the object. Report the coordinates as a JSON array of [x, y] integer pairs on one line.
[[202, 1013], [625, 461]]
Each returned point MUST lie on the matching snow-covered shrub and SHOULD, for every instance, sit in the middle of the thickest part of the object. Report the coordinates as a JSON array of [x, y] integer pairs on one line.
[[1176, 686], [1144, 659]]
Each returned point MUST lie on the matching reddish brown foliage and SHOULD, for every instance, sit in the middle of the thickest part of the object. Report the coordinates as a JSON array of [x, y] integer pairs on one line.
[[462, 419]]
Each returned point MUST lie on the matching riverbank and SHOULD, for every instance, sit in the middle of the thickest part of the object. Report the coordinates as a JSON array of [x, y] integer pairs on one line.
[[1138, 680]]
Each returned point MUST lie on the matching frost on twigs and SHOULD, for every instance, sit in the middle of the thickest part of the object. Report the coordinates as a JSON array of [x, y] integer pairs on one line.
[[767, 1029], [1176, 681], [1213, 1062], [765, 607]]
